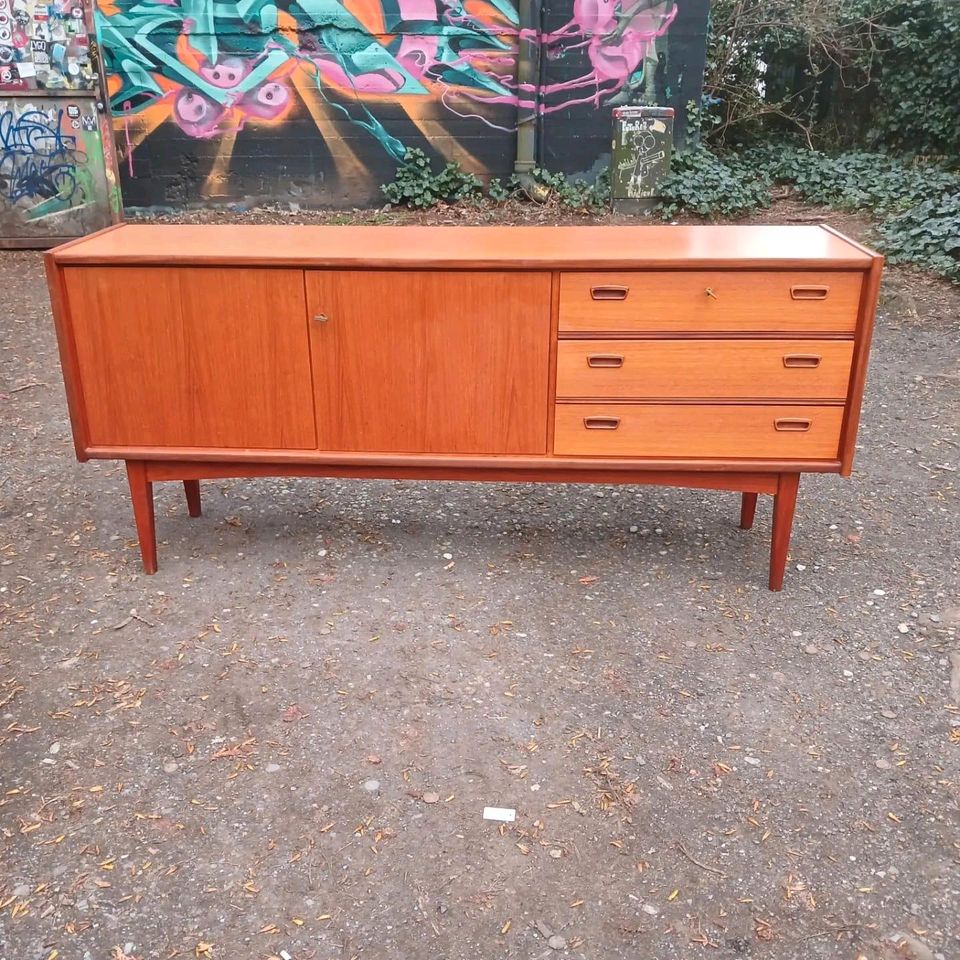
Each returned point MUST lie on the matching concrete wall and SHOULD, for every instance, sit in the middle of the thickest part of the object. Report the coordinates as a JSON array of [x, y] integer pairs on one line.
[[315, 101]]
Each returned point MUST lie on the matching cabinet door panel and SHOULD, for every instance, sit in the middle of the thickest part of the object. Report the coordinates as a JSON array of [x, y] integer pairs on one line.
[[193, 357], [443, 362]]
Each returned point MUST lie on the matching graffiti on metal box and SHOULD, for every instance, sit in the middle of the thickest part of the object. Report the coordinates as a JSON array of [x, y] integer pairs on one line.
[[51, 166], [38, 160]]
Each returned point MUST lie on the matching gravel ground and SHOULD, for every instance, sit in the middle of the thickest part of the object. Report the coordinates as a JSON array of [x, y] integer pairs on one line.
[[285, 740]]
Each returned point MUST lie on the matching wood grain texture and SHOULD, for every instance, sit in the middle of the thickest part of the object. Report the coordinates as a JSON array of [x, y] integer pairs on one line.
[[424, 362], [200, 357], [470, 466], [784, 504], [73, 385], [585, 473], [457, 248], [141, 497], [704, 369], [697, 430], [742, 300], [858, 373]]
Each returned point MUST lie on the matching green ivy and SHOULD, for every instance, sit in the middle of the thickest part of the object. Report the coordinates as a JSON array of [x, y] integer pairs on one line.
[[416, 185], [918, 79], [576, 194], [927, 234], [854, 180], [706, 184]]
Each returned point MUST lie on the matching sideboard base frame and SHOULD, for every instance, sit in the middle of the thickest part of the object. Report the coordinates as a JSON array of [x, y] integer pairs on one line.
[[142, 474]]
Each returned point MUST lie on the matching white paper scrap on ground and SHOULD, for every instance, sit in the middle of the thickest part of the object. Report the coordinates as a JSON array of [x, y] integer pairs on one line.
[[499, 813]]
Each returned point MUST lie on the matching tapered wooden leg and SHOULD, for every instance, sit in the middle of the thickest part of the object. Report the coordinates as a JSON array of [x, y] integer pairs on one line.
[[141, 493], [192, 490], [748, 510], [784, 503]]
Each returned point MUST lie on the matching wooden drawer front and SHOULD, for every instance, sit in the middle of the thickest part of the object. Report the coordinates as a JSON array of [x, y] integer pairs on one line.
[[696, 430], [731, 369], [715, 300]]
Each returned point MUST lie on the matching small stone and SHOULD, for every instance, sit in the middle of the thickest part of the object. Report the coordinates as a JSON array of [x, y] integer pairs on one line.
[[910, 948], [321, 553], [848, 673], [556, 942], [811, 648], [634, 528], [272, 768], [801, 567], [879, 593], [448, 556], [903, 627], [651, 909], [753, 761], [21, 890], [431, 796], [889, 714], [374, 759], [556, 854], [882, 764], [372, 786], [543, 929], [54, 748], [170, 766]]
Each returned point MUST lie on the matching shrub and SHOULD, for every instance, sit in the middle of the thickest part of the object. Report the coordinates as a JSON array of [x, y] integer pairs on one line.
[[416, 185], [927, 234], [710, 185], [854, 180]]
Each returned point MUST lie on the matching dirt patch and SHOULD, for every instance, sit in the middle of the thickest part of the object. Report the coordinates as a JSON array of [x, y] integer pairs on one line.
[[286, 739]]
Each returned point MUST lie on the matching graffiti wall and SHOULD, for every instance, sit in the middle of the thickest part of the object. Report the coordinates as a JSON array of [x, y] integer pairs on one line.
[[317, 100], [52, 177]]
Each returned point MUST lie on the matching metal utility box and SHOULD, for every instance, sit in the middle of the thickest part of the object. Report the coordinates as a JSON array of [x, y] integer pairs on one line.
[[640, 156], [57, 169]]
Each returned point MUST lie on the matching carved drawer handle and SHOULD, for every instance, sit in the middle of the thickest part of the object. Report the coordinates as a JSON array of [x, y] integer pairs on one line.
[[792, 424], [609, 293], [807, 360], [604, 360], [809, 292], [601, 423]]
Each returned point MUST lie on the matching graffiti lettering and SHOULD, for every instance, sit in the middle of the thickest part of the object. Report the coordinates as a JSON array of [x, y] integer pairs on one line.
[[37, 160]]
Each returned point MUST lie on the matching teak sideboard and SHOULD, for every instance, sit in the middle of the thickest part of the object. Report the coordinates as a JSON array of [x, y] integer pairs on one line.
[[719, 357]]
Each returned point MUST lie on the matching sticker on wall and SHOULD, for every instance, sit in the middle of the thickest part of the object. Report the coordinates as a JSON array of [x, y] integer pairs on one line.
[[44, 46]]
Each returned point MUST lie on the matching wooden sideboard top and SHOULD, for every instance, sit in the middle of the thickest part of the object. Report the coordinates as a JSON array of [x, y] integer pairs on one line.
[[455, 247]]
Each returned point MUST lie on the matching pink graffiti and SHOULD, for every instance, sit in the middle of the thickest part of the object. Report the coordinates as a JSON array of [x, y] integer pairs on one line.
[[617, 37], [617, 42], [225, 73]]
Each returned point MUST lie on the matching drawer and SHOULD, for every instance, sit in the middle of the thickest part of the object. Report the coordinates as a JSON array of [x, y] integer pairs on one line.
[[709, 301], [733, 369], [698, 430]]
